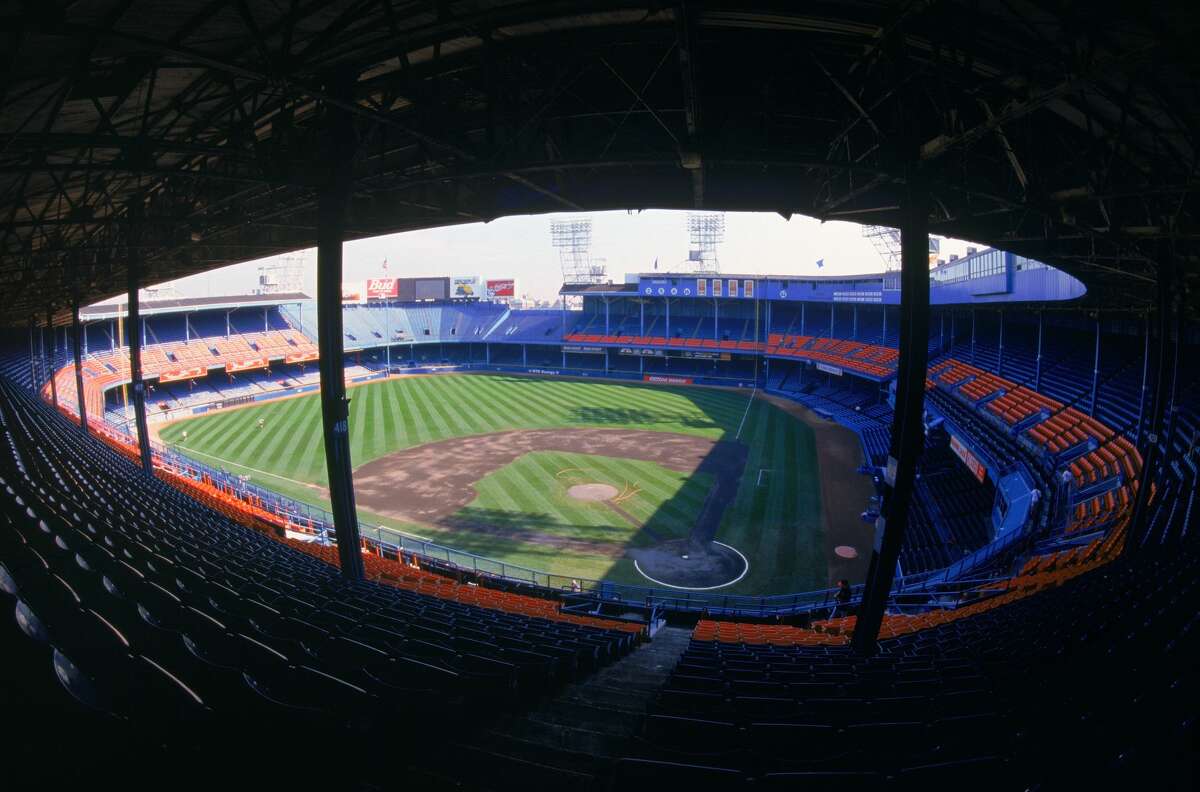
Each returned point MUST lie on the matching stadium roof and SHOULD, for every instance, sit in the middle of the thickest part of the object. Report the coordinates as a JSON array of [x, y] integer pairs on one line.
[[113, 309], [1066, 134]]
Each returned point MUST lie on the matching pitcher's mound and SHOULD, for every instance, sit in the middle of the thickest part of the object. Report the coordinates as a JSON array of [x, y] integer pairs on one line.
[[592, 492]]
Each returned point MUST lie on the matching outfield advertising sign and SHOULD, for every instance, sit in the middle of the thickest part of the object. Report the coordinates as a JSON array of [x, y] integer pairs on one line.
[[352, 292], [465, 286], [502, 287], [663, 379], [643, 352], [583, 350], [382, 288]]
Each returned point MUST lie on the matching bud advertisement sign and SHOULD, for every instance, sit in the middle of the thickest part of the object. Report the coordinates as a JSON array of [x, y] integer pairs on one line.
[[503, 287], [381, 288], [464, 286]]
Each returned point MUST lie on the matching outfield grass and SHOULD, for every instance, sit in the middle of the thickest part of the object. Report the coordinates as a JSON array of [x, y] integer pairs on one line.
[[777, 525]]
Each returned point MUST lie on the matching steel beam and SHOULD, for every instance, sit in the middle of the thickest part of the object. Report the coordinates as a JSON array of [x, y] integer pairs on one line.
[[32, 355], [53, 355], [1141, 421], [907, 424], [1138, 521], [1095, 370], [133, 329], [333, 198], [76, 335], [1000, 354], [1037, 375]]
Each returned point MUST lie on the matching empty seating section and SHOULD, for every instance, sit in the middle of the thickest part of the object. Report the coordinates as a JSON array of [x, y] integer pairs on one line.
[[1004, 685], [181, 360], [873, 361], [127, 578], [861, 358], [1099, 463], [528, 327]]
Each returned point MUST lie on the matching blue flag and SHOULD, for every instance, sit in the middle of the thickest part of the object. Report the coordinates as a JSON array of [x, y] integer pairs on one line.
[[820, 263]]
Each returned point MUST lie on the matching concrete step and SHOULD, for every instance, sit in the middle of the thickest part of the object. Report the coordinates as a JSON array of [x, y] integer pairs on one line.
[[564, 737], [598, 695], [512, 745], [576, 714], [567, 739]]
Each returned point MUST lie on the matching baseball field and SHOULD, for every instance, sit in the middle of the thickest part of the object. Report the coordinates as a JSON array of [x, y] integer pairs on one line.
[[690, 487]]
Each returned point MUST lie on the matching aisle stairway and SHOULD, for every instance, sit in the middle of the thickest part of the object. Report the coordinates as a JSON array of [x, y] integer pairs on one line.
[[569, 739]]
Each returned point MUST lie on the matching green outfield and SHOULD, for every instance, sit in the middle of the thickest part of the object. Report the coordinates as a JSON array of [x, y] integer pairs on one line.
[[520, 512]]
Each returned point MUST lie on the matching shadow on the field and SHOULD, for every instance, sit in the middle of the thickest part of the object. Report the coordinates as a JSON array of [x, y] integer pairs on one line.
[[533, 526]]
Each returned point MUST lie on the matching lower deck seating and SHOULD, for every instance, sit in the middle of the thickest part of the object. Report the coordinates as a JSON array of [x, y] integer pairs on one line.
[[1089, 682], [124, 578]]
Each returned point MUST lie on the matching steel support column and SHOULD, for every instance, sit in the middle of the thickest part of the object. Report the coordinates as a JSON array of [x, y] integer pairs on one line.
[[133, 267], [907, 425], [77, 351], [1173, 399], [1000, 354], [33, 380], [1150, 450], [1141, 419], [1095, 370], [972, 335], [333, 196], [1037, 374], [53, 355]]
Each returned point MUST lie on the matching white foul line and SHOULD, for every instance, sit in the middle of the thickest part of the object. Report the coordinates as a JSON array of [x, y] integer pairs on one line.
[[239, 464], [749, 401]]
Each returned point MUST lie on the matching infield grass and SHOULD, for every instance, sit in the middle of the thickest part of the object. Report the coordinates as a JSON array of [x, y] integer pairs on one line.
[[775, 519]]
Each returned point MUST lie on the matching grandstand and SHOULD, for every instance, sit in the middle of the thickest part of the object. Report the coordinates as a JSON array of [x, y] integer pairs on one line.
[[1008, 440], [1020, 492]]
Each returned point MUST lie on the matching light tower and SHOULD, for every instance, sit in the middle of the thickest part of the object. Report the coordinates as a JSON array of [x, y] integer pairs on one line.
[[706, 231], [886, 241], [283, 275], [573, 239]]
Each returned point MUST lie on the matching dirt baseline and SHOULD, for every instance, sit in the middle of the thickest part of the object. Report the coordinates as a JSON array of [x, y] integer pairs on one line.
[[430, 483]]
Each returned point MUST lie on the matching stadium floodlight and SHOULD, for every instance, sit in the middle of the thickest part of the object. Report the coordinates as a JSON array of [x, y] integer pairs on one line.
[[283, 275], [706, 231], [886, 241], [573, 239]]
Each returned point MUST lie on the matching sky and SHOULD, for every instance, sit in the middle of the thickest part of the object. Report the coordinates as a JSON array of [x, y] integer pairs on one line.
[[519, 247]]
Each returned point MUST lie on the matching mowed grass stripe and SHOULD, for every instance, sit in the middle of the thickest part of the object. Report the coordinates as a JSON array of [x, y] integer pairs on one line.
[[398, 435], [289, 417], [778, 525], [495, 406]]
